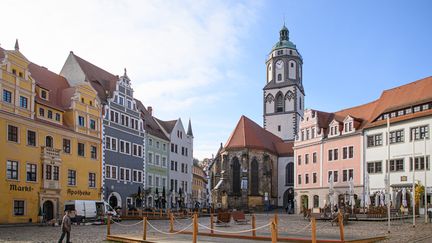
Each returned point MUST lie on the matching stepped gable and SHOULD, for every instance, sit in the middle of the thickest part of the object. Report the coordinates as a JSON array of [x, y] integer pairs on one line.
[[102, 81], [248, 134], [150, 124]]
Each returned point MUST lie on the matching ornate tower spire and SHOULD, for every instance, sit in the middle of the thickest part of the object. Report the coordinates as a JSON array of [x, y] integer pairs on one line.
[[284, 33], [189, 130], [16, 45]]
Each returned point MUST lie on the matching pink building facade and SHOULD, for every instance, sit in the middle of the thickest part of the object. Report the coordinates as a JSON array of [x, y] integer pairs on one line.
[[329, 144]]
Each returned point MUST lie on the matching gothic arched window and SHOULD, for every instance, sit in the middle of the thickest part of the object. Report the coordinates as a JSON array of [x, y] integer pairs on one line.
[[49, 141], [236, 175], [279, 103], [289, 174], [279, 77], [254, 184]]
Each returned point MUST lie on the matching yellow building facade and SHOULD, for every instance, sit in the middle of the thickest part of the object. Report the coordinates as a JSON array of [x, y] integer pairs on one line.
[[50, 141]]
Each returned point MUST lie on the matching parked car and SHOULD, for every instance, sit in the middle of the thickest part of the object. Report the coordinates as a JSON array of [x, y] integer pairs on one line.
[[90, 210]]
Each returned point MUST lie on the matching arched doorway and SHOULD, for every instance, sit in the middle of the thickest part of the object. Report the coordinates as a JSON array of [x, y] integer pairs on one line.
[[48, 210], [288, 200], [304, 202], [113, 201]]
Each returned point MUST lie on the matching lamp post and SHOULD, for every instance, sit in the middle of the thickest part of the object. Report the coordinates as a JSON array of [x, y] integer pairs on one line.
[[388, 175], [413, 183]]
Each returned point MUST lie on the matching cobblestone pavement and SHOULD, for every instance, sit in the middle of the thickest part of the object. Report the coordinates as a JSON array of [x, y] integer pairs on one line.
[[289, 226]]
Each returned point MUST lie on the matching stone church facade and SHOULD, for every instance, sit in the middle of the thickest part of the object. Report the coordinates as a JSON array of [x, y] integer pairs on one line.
[[255, 168]]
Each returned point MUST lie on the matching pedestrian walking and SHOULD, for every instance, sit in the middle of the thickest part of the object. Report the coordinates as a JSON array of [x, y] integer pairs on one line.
[[66, 227]]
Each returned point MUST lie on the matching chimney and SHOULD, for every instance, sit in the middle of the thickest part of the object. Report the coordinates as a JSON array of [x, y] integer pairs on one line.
[[150, 110]]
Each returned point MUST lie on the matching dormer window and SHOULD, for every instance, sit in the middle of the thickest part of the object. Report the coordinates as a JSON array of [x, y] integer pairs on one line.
[[121, 100], [44, 94]]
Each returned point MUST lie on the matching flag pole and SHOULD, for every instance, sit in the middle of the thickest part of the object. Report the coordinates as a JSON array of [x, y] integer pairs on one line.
[[413, 183], [425, 182], [388, 175]]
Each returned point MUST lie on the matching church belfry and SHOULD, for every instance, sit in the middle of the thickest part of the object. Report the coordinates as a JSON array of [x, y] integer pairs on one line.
[[283, 92]]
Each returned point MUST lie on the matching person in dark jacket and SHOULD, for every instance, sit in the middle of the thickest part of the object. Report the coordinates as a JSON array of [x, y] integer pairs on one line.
[[66, 226]]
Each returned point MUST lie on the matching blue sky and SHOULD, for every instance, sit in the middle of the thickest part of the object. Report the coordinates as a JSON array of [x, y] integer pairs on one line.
[[204, 60]]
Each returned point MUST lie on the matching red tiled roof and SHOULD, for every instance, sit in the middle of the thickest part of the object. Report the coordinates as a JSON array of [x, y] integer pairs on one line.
[[100, 79], [55, 83], [150, 125], [167, 125], [248, 134]]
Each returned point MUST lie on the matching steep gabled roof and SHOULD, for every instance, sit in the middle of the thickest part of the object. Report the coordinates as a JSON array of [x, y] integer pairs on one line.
[[150, 125], [102, 81], [168, 126], [248, 134], [55, 83]]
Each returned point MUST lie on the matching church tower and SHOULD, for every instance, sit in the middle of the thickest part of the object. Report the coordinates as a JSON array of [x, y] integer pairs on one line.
[[283, 92]]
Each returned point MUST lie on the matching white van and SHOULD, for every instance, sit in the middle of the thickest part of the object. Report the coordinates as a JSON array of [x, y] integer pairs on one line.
[[89, 210]]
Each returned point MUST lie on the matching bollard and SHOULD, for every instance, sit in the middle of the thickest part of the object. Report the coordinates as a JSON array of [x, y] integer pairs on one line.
[[273, 232], [145, 228], [314, 237], [171, 223], [276, 223], [109, 225], [253, 225], [341, 227], [195, 229], [211, 223]]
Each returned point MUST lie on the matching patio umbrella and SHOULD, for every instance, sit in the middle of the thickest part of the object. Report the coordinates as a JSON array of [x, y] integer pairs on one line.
[[331, 191], [377, 199], [382, 199], [367, 201], [404, 200], [351, 192]]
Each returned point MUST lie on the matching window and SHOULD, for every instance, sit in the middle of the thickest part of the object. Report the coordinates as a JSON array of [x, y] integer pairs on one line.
[[49, 142], [420, 163], [92, 124], [81, 121], [48, 172], [31, 172], [396, 136], [111, 143], [299, 160], [12, 133], [151, 143], [66, 146], [316, 201], [150, 180], [397, 165], [92, 180], [314, 157], [121, 100], [44, 94], [128, 175], [19, 207], [122, 174], [172, 164], [236, 176], [56, 171], [347, 174], [93, 152], [306, 178], [157, 159], [374, 167], [314, 178], [164, 147], [57, 117], [164, 161], [182, 167], [330, 155], [279, 77], [279, 128], [12, 170], [175, 165], [71, 177], [7, 96], [374, 140], [31, 138], [50, 114], [81, 149], [41, 112], [299, 179], [23, 102], [333, 154], [335, 175], [129, 104], [111, 172], [156, 181], [150, 157], [419, 132], [348, 152], [289, 174], [279, 103]]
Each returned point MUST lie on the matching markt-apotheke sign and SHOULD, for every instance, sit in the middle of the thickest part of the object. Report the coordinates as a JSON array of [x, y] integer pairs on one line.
[[18, 188]]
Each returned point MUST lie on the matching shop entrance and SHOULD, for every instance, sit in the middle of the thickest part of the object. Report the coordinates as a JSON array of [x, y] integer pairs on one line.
[[48, 210]]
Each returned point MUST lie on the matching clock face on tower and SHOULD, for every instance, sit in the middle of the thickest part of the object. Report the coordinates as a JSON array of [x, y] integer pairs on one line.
[[279, 64]]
